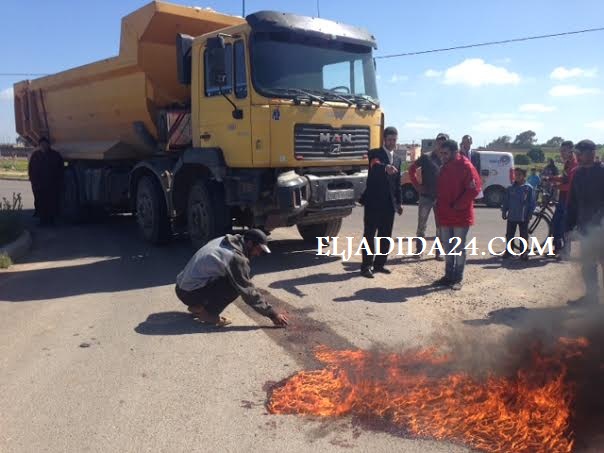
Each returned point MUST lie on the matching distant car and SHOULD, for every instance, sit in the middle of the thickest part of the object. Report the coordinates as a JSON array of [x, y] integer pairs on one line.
[[496, 170]]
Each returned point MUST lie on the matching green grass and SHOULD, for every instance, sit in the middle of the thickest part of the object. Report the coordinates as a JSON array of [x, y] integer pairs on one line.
[[5, 262], [13, 165]]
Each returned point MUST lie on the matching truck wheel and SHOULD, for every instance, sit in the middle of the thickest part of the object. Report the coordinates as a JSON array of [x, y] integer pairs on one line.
[[409, 194], [310, 232], [201, 215], [493, 197], [151, 211]]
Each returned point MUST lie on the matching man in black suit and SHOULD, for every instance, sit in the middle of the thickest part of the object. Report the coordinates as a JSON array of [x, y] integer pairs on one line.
[[382, 198]]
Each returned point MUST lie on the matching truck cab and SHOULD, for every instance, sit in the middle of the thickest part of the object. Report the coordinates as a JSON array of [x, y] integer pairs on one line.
[[290, 104]]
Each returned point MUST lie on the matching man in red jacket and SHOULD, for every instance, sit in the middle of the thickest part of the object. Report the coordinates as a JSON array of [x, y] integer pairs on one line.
[[458, 185]]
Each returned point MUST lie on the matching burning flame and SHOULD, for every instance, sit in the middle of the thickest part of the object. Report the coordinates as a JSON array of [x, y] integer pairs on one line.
[[419, 393]]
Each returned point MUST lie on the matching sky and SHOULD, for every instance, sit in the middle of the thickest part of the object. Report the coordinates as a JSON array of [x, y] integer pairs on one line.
[[552, 86]]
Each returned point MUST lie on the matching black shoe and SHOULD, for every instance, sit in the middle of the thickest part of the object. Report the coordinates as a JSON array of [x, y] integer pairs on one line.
[[382, 270], [524, 257], [444, 281], [440, 258], [367, 273], [506, 255]]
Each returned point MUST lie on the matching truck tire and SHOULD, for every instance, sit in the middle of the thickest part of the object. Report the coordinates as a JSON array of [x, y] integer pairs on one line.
[[311, 231], [151, 211], [204, 214], [493, 197], [410, 195]]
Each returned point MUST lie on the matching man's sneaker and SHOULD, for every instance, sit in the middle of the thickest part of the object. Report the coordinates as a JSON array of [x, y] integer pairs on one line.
[[367, 273], [444, 281], [382, 270], [506, 255], [440, 258], [456, 286]]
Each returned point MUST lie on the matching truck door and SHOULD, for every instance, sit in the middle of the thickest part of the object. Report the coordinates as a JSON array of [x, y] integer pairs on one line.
[[223, 125]]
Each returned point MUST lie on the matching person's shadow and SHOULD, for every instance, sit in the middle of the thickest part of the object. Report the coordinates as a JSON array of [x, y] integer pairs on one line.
[[180, 323], [384, 295]]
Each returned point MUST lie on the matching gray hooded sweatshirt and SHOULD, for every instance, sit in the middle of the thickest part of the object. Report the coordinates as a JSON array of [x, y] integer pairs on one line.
[[224, 257]]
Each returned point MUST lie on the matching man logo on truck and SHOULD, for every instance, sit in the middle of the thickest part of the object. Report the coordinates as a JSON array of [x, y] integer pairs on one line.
[[326, 137]]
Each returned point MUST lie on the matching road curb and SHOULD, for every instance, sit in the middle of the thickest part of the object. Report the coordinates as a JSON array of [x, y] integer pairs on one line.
[[19, 247], [13, 178]]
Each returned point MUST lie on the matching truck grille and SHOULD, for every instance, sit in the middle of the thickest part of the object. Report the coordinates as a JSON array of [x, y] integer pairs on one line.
[[319, 142]]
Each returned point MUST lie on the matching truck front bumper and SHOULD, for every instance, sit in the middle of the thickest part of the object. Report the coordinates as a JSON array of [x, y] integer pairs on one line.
[[314, 198]]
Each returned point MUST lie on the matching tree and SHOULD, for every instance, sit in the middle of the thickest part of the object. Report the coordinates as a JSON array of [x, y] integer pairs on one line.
[[501, 142], [21, 141], [536, 155], [525, 139], [554, 142], [522, 159]]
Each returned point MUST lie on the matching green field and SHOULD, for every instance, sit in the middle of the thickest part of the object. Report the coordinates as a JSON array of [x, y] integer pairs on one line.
[[13, 165]]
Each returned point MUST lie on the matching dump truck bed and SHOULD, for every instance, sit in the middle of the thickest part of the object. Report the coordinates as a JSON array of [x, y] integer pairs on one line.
[[89, 112]]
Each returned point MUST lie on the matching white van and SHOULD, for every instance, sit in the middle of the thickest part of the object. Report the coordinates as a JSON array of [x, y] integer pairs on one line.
[[496, 170]]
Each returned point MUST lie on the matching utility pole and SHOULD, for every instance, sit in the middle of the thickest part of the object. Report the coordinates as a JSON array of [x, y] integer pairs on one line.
[[243, 7], [318, 8]]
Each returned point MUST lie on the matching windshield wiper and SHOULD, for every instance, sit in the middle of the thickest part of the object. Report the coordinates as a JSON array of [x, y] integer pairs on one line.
[[310, 96], [360, 98], [337, 96]]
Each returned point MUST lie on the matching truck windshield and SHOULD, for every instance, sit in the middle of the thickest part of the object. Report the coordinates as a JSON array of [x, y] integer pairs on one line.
[[286, 65]]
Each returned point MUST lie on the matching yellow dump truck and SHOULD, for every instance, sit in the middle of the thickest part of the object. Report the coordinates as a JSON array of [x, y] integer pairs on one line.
[[206, 121]]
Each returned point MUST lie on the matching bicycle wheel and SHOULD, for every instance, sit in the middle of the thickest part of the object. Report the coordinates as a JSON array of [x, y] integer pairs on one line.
[[540, 228]]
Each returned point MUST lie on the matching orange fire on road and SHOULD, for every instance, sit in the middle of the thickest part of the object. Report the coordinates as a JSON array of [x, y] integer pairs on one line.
[[420, 393]]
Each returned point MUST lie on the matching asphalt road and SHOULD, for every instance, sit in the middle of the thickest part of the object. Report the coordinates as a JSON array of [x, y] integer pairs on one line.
[[97, 354]]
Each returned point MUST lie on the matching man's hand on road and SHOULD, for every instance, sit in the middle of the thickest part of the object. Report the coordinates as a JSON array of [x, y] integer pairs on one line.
[[280, 320], [391, 170], [504, 215], [400, 210]]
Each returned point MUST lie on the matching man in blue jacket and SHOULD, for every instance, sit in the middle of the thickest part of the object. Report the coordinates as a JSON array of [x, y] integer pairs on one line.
[[517, 209]]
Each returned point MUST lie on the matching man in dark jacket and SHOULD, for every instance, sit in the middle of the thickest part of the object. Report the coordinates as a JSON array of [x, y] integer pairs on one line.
[[427, 167], [586, 214], [561, 182], [382, 198], [46, 176], [220, 272], [457, 187]]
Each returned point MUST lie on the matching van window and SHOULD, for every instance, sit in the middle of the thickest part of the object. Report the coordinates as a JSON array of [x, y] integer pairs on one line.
[[211, 71]]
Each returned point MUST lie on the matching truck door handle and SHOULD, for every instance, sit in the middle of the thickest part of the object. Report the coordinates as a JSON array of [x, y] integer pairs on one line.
[[206, 136]]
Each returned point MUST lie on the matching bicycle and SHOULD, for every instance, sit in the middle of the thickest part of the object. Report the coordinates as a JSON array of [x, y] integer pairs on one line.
[[540, 223]]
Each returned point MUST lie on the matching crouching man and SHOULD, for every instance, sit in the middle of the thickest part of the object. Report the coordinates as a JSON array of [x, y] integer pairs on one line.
[[220, 272]]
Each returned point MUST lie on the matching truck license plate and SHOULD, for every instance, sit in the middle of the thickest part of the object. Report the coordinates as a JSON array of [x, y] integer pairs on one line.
[[333, 195]]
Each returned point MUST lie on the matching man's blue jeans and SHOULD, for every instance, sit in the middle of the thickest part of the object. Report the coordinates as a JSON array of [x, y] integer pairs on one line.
[[558, 222], [455, 260]]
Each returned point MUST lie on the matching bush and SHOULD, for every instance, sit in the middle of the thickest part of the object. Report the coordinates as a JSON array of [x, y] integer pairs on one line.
[[11, 225], [5, 262], [522, 159]]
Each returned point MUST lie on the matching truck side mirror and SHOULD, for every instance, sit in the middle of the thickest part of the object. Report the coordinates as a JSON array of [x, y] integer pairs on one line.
[[184, 43]]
